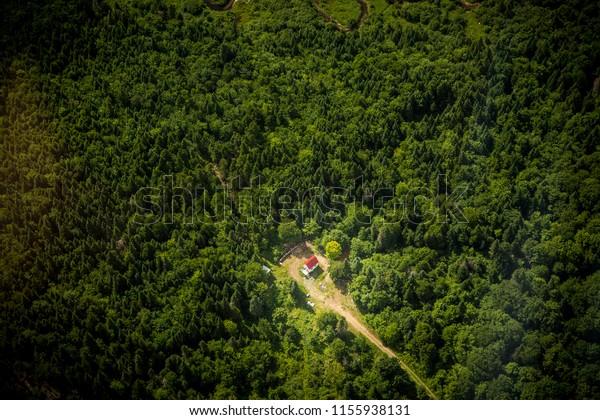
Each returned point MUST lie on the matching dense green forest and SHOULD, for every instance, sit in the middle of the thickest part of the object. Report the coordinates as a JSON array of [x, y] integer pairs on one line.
[[466, 137]]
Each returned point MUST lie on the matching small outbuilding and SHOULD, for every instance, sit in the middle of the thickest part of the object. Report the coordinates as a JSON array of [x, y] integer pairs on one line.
[[310, 265]]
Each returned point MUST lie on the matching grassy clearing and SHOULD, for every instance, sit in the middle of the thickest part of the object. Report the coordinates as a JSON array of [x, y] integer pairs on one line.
[[346, 12], [474, 29]]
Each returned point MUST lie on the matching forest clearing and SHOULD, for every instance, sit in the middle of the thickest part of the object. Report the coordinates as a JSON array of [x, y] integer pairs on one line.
[[324, 292]]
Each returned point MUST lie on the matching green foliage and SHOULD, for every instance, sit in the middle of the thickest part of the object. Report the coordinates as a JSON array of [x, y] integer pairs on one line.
[[289, 233], [99, 100], [333, 250], [335, 235], [339, 270]]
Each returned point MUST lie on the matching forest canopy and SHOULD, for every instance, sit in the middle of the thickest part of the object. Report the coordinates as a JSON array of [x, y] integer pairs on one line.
[[457, 144]]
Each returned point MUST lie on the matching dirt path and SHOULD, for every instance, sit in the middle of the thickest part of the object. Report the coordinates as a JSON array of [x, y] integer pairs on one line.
[[324, 293], [223, 8], [468, 5], [218, 174], [364, 12]]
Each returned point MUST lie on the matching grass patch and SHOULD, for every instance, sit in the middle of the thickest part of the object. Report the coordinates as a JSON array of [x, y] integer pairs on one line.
[[382, 7], [474, 29], [346, 12]]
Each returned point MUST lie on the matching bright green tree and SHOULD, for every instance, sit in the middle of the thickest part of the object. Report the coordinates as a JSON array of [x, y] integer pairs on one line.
[[333, 250]]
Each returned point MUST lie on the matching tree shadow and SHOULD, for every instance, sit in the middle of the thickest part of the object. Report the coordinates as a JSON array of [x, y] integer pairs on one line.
[[342, 285], [302, 251], [316, 273]]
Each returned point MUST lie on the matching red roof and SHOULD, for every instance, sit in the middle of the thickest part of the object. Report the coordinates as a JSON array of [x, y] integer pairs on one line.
[[311, 262]]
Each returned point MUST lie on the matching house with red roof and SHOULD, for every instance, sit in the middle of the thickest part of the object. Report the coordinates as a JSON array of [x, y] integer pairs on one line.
[[310, 265]]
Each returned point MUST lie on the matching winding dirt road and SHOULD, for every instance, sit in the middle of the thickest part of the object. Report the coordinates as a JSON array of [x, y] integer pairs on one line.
[[223, 8], [364, 12], [325, 294]]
